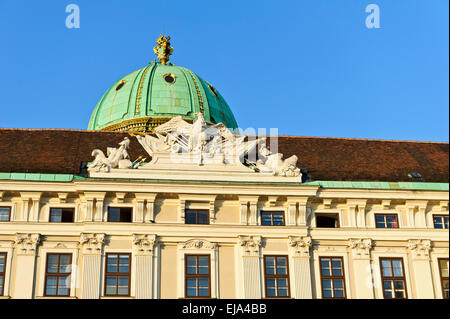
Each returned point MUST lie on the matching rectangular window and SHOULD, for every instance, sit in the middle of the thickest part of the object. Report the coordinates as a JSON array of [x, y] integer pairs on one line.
[[117, 274], [272, 218], [61, 215], [443, 271], [386, 220], [57, 275], [393, 278], [197, 216], [2, 272], [440, 221], [5, 214], [120, 214], [276, 276], [332, 277], [197, 276], [327, 220]]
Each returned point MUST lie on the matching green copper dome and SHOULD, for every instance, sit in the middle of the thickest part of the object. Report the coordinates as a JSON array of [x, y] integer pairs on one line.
[[156, 93]]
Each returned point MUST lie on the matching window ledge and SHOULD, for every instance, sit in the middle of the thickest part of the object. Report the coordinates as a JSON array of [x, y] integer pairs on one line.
[[5, 297], [197, 298], [56, 297], [117, 297]]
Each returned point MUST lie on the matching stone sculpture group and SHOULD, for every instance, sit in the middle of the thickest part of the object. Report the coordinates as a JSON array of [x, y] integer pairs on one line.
[[199, 143]]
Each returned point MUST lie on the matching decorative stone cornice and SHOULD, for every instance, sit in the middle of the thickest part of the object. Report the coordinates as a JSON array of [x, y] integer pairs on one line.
[[198, 244], [250, 245], [420, 248], [300, 246], [26, 244], [143, 244], [92, 243], [360, 247]]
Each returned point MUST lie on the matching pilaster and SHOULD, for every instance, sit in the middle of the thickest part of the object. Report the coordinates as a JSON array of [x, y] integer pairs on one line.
[[362, 268], [250, 254], [299, 251], [30, 214], [248, 209], [91, 246], [420, 255], [297, 209], [25, 246], [143, 252], [94, 206], [145, 201]]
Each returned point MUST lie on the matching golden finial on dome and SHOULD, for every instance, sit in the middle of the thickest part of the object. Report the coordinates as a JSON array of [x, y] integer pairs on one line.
[[163, 50]]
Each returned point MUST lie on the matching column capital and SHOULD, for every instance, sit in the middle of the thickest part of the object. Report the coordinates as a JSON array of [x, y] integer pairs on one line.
[[62, 197], [120, 197], [92, 243], [30, 195], [26, 244], [94, 195], [420, 248], [248, 199], [300, 246], [143, 244], [360, 247], [146, 196], [250, 245]]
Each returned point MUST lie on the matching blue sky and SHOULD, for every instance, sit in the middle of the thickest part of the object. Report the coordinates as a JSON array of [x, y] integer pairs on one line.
[[308, 68]]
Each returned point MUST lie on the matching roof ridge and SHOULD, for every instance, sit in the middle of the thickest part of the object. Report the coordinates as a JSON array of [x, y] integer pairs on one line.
[[358, 139]]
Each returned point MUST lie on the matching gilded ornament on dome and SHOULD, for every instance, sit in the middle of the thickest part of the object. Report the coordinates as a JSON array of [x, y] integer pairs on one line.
[[163, 50]]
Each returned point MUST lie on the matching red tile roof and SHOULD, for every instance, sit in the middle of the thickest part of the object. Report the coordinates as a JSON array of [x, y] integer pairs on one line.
[[333, 159]]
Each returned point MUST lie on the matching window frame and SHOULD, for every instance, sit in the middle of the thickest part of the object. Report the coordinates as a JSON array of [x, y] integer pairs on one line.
[[393, 278], [186, 276], [206, 211], [108, 219], [331, 277], [441, 277], [385, 220], [9, 215], [69, 289], [272, 212], [117, 274], [62, 208], [443, 216], [5, 258], [326, 214], [276, 276]]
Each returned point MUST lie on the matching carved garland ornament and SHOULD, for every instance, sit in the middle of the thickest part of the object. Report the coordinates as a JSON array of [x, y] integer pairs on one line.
[[199, 244]]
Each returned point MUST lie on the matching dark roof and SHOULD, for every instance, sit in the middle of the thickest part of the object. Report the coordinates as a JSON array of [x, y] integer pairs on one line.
[[61, 151]]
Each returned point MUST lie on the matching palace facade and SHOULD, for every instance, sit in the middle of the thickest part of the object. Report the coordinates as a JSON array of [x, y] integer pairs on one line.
[[162, 198]]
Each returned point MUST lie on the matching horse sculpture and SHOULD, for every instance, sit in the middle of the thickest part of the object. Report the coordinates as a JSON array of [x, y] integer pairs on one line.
[[117, 158]]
